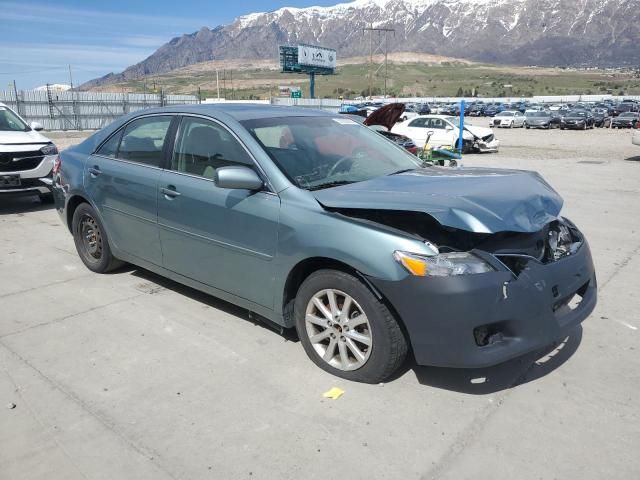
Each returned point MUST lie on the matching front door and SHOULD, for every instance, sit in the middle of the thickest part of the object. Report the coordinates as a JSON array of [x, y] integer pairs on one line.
[[223, 238], [122, 179]]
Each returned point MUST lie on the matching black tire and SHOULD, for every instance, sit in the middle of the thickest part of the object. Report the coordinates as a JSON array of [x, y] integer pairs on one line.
[[389, 345], [91, 240], [46, 198]]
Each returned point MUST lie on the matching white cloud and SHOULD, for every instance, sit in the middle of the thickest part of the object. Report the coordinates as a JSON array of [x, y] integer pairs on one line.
[[43, 13]]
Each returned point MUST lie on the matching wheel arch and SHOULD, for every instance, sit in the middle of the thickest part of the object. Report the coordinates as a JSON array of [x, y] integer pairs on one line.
[[72, 204], [303, 269]]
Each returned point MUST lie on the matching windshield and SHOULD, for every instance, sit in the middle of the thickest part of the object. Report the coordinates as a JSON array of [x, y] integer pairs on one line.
[[538, 114], [10, 122], [321, 152], [576, 113], [627, 115]]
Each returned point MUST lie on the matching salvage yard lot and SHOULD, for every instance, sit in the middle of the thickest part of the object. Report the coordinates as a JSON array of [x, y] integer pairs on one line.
[[131, 376]]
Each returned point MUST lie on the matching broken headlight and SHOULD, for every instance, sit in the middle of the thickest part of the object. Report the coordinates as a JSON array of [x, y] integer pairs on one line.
[[560, 240], [443, 264]]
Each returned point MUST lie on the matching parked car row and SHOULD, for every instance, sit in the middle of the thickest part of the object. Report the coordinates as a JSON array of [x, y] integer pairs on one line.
[[574, 119]]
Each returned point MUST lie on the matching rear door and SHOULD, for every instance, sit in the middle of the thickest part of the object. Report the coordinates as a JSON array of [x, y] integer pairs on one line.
[[220, 237], [122, 180]]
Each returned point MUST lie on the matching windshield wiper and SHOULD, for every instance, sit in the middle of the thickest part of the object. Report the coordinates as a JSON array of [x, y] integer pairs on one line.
[[402, 171], [336, 183]]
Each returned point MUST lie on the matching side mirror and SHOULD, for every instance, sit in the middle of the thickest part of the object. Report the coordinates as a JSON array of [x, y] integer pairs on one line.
[[37, 126], [449, 128], [237, 178]]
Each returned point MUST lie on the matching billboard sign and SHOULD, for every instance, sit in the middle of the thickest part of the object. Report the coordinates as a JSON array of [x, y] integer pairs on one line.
[[288, 91], [317, 56]]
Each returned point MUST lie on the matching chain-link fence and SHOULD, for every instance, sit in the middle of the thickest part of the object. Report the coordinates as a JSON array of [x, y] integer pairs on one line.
[[72, 110]]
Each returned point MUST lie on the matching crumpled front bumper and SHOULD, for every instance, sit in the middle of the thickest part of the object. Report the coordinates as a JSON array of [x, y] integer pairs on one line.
[[488, 147], [443, 315]]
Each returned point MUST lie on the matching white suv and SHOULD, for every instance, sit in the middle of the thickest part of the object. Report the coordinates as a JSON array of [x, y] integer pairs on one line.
[[26, 157]]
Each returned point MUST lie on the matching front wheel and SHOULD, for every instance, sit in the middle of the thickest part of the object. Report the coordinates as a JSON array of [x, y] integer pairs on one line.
[[91, 240], [346, 330]]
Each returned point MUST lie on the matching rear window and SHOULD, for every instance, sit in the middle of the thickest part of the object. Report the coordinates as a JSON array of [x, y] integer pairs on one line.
[[141, 141]]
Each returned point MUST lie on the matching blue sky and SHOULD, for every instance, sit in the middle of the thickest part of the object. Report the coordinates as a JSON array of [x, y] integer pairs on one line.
[[39, 40]]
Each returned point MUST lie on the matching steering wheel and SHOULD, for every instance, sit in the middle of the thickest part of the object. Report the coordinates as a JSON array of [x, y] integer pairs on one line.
[[357, 154]]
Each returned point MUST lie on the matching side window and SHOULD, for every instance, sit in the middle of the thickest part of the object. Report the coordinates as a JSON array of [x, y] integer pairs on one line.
[[143, 140], [418, 122], [110, 147], [438, 123], [203, 146]]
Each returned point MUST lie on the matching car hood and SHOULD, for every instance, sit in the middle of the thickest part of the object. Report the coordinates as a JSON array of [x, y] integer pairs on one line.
[[478, 200], [479, 132], [20, 138], [567, 117], [386, 116]]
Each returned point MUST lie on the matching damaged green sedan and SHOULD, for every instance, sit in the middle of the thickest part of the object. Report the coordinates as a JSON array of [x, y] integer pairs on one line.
[[315, 222]]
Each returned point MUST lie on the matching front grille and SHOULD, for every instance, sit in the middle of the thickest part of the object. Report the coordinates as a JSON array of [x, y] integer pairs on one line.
[[19, 161]]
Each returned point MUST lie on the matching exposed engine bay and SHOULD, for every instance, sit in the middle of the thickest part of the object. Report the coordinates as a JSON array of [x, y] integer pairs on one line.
[[555, 241]]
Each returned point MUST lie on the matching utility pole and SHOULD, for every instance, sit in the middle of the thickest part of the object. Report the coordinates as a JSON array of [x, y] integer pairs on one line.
[[372, 52], [15, 92], [218, 83], [70, 78]]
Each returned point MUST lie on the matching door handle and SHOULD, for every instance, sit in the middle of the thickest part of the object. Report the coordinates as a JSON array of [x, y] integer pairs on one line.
[[94, 171], [170, 192]]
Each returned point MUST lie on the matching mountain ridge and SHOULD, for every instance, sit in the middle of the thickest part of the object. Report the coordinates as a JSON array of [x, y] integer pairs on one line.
[[519, 32]]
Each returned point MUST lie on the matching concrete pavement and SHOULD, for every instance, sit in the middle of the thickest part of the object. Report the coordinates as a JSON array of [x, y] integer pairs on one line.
[[131, 376]]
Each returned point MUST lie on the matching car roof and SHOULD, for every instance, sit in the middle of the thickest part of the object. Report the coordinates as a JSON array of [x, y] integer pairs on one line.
[[240, 112]]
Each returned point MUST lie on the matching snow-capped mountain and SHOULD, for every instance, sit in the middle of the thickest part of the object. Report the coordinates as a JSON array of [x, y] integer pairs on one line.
[[526, 32]]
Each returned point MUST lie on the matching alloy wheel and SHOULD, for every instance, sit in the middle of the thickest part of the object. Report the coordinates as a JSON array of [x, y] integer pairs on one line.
[[338, 330]]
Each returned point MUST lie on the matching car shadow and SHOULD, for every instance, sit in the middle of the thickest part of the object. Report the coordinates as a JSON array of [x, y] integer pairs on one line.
[[11, 205], [633, 159], [472, 381], [211, 301], [483, 381]]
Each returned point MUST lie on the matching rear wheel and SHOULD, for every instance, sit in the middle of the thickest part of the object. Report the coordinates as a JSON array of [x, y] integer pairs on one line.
[[346, 330], [91, 240]]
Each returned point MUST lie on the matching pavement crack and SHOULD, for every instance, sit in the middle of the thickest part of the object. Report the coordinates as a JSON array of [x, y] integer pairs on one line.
[[39, 287], [67, 317], [621, 267], [102, 419], [37, 418]]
